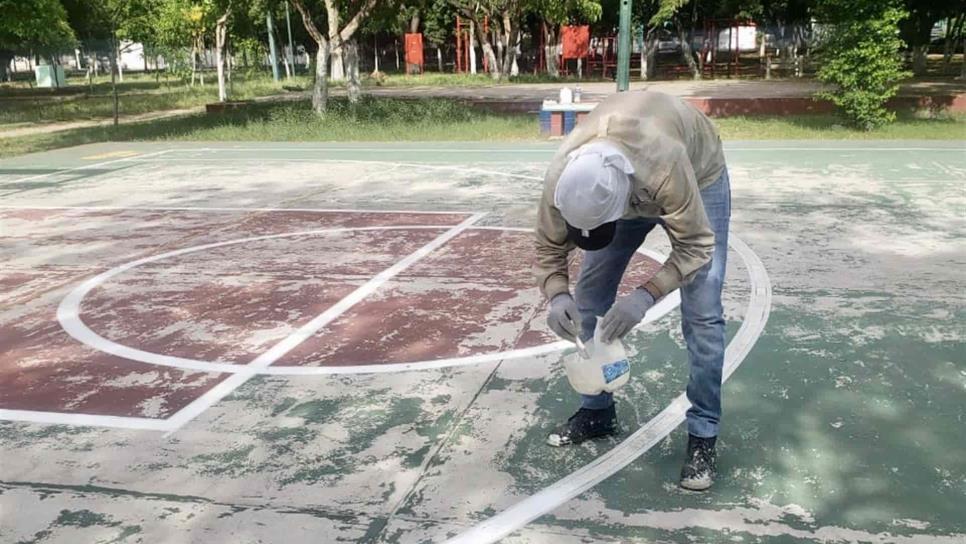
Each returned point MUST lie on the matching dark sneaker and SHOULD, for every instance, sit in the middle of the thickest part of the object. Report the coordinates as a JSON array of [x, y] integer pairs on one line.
[[699, 469], [584, 425]]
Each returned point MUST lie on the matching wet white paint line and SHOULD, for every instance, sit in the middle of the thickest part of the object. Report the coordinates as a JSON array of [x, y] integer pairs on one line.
[[91, 166], [645, 438]]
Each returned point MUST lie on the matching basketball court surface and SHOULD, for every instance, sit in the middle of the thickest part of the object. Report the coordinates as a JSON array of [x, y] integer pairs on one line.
[[267, 342]]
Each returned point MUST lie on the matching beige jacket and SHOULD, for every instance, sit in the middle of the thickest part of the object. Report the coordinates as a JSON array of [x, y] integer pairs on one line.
[[675, 151]]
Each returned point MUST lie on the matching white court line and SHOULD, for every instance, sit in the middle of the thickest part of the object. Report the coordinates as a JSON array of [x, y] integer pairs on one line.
[[89, 420], [655, 430], [230, 209], [548, 150], [846, 149], [458, 167], [946, 169], [69, 311], [304, 332], [87, 166]]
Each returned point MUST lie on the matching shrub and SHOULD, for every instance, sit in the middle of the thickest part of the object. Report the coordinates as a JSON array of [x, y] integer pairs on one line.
[[860, 56]]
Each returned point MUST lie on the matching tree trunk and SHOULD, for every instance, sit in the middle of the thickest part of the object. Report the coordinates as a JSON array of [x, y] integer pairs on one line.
[[686, 52], [947, 41], [414, 23], [286, 64], [114, 67], [439, 58], [338, 63], [510, 40], [194, 62], [201, 63], [221, 35], [334, 16], [962, 69], [117, 60], [472, 51], [230, 67], [375, 54], [320, 89], [550, 48], [5, 59], [919, 53], [514, 66], [651, 71], [352, 64], [484, 40], [643, 54], [953, 29]]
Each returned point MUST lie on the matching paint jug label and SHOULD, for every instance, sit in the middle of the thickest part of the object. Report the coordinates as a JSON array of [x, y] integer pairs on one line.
[[605, 368], [615, 370]]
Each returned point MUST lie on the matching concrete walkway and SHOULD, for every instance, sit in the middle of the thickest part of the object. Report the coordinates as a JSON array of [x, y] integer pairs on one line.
[[719, 88], [50, 128]]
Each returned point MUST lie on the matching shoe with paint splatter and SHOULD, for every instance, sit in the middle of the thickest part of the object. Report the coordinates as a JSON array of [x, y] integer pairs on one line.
[[699, 469], [584, 425]]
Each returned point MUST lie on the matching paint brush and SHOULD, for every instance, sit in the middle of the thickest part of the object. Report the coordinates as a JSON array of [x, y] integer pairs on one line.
[[581, 348]]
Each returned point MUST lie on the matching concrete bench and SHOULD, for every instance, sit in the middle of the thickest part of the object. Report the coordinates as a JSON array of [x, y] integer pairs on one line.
[[559, 119]]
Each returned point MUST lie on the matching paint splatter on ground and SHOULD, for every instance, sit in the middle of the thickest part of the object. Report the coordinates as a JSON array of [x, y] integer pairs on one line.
[[842, 424]]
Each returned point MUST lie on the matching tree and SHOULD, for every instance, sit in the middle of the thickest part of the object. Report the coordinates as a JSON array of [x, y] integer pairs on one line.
[[32, 27], [340, 33], [553, 14], [221, 37], [438, 20], [860, 54], [917, 28], [132, 21], [320, 89], [499, 18]]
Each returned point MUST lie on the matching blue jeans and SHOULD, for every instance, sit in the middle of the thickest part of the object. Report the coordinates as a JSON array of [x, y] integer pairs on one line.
[[702, 317]]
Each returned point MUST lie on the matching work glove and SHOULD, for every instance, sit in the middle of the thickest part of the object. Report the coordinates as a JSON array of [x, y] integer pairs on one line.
[[564, 318], [625, 314]]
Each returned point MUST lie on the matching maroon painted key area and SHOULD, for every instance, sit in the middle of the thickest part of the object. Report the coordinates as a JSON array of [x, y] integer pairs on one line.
[[473, 295]]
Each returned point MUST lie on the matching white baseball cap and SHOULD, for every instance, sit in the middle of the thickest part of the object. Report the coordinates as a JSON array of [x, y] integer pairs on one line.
[[592, 193]]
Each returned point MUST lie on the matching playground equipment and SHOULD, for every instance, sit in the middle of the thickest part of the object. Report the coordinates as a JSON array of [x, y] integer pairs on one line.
[[464, 45]]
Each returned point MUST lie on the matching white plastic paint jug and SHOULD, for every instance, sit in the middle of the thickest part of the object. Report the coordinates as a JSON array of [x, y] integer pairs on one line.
[[566, 96], [605, 368]]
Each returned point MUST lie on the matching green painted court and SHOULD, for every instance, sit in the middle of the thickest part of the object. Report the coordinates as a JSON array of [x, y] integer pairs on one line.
[[264, 342]]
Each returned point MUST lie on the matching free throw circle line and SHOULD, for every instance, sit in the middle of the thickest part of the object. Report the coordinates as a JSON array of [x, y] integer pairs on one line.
[[69, 310]]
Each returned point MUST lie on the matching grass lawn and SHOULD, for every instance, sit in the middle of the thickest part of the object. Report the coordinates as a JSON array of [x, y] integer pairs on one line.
[[140, 93], [382, 119]]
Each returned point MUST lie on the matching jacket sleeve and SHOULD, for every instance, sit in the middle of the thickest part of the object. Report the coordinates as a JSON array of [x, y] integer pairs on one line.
[[553, 248], [687, 225]]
